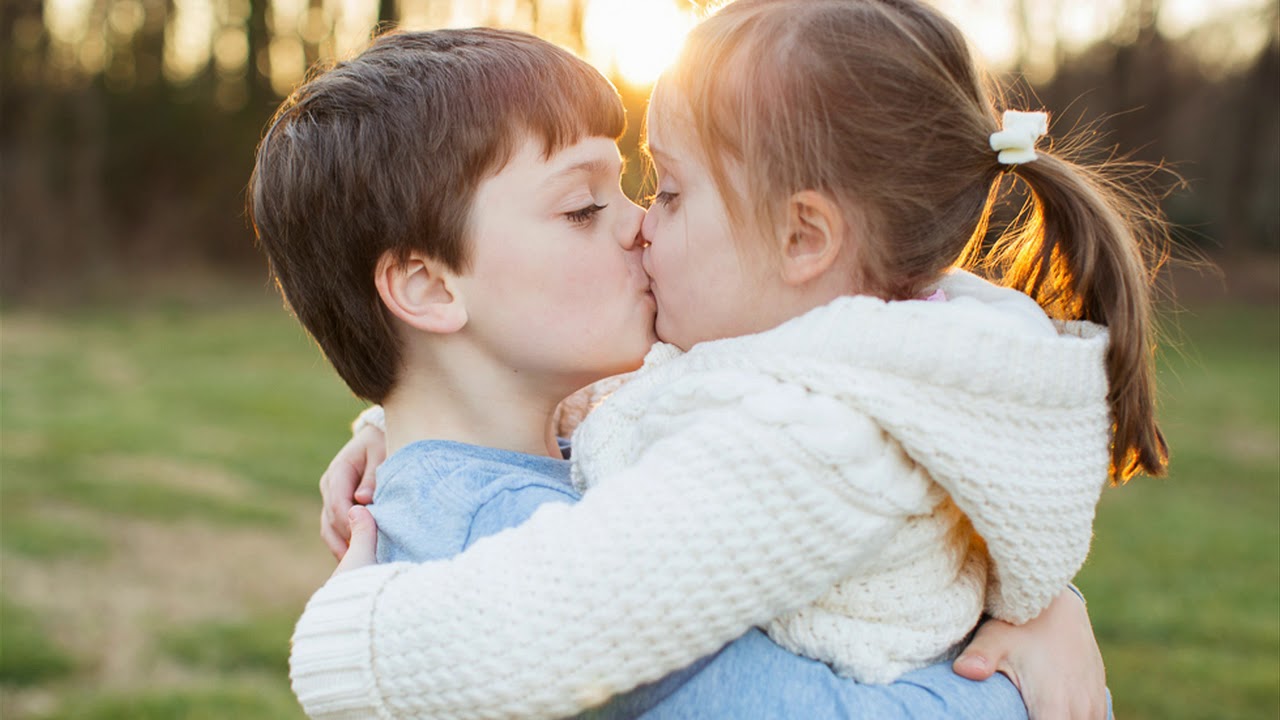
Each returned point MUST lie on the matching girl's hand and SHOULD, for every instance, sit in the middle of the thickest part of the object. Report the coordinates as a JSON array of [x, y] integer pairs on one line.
[[349, 481], [1053, 660], [363, 532]]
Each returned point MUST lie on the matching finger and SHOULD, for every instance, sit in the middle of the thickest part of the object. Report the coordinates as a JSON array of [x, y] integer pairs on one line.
[[339, 481], [983, 656], [364, 541], [973, 665], [333, 520], [376, 453], [336, 544], [336, 515], [364, 493], [337, 491]]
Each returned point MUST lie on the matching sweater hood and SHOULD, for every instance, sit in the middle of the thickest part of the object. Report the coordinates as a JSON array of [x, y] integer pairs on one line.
[[1004, 408]]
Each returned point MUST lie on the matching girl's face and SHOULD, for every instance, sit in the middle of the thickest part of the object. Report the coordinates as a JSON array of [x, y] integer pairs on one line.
[[705, 286]]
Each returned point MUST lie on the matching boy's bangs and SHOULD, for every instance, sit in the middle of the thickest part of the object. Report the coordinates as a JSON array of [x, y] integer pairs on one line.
[[578, 104]]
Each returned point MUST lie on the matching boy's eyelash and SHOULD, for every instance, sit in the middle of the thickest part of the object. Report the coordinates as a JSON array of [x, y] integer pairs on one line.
[[585, 214]]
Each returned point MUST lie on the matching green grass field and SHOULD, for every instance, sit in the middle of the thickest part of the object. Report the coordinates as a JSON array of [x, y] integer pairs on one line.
[[158, 467]]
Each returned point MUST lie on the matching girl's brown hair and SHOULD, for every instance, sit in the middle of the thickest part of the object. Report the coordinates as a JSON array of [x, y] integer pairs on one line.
[[879, 104]]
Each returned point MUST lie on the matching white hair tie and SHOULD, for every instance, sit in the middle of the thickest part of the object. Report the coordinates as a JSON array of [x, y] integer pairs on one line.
[[1016, 141]]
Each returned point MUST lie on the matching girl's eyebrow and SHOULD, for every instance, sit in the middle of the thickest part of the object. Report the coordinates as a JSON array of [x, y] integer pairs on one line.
[[663, 164], [660, 155]]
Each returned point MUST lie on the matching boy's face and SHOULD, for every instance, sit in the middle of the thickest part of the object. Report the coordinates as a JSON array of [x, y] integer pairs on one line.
[[556, 288], [705, 287]]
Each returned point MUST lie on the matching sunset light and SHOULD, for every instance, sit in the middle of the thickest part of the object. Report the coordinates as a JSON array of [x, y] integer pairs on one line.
[[632, 41], [637, 40]]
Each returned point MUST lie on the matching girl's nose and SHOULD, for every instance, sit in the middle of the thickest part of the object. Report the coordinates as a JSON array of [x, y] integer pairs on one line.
[[646, 229]]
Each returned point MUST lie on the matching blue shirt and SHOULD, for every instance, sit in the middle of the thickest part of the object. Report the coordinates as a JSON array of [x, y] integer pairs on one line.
[[435, 498]]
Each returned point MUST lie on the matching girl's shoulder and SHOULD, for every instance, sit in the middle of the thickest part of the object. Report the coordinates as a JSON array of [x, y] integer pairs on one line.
[[996, 304]]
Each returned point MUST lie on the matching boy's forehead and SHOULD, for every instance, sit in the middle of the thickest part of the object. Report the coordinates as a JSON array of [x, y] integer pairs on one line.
[[589, 156]]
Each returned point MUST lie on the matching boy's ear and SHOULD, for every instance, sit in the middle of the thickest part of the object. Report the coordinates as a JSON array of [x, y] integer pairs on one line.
[[813, 237], [422, 292]]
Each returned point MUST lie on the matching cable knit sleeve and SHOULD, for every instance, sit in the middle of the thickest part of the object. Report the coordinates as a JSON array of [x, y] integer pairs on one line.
[[743, 515]]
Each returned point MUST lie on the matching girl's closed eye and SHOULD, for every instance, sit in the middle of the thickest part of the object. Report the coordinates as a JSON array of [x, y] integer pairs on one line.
[[665, 198], [584, 215]]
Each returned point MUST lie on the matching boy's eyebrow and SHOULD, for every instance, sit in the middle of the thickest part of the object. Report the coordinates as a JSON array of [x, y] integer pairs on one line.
[[591, 167]]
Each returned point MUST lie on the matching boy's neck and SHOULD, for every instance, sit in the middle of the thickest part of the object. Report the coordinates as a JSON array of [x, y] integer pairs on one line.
[[483, 411]]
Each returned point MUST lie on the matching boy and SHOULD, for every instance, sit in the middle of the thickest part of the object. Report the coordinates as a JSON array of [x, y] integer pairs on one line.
[[443, 214]]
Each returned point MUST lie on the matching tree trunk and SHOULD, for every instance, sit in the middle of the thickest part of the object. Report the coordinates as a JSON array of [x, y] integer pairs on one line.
[[261, 96]]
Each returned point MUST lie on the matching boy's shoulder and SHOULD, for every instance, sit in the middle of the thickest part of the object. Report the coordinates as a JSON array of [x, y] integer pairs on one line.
[[435, 497], [471, 474]]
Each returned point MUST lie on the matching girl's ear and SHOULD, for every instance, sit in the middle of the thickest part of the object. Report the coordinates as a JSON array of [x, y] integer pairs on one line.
[[814, 237], [422, 292]]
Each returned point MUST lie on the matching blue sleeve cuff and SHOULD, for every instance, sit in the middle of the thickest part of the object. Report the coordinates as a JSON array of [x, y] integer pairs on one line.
[[1072, 587]]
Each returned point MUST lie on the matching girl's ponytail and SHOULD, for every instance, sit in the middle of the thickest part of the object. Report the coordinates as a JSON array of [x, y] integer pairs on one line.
[[1085, 247]]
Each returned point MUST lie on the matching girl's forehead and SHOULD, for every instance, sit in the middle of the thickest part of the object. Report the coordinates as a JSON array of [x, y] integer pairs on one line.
[[669, 138], [665, 112]]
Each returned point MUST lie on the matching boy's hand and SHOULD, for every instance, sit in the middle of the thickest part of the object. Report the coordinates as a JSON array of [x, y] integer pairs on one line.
[[349, 481], [363, 532], [1053, 660]]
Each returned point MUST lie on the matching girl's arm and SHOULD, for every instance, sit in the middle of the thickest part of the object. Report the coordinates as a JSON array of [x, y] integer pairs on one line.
[[653, 569], [1054, 659]]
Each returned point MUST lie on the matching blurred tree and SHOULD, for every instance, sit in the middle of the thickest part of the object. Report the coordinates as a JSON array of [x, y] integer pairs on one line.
[[261, 96], [111, 166], [388, 13]]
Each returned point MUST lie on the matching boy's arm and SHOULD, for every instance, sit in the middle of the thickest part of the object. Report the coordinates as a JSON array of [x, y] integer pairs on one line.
[[1053, 660], [652, 570]]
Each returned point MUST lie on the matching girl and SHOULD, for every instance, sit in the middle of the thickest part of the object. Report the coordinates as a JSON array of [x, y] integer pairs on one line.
[[820, 458]]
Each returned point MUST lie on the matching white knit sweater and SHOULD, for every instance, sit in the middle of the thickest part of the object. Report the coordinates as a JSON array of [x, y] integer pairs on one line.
[[818, 479]]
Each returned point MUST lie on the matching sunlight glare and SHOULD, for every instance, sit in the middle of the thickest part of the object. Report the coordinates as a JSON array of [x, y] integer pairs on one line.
[[355, 21], [67, 20], [188, 39], [1180, 17], [635, 40], [990, 30]]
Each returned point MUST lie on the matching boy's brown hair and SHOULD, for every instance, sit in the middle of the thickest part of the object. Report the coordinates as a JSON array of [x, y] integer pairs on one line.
[[880, 104], [384, 153]]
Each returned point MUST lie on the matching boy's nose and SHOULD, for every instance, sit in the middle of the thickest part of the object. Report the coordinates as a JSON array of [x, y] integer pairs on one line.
[[630, 235]]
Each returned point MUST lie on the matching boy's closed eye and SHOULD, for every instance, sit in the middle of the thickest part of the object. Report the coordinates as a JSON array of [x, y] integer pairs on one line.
[[582, 216]]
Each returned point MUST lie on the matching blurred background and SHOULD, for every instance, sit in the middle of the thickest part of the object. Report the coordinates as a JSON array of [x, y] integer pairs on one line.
[[163, 421]]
